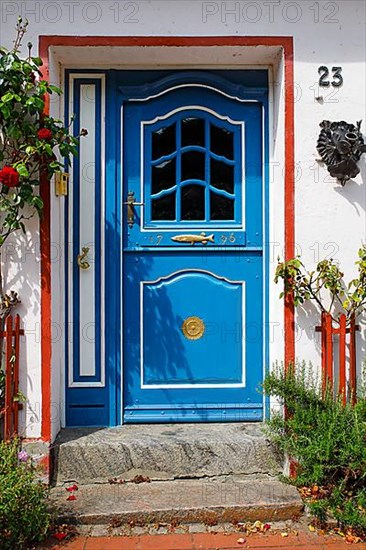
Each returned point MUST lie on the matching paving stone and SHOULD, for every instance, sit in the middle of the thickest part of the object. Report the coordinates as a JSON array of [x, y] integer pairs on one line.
[[179, 501], [163, 452], [208, 541]]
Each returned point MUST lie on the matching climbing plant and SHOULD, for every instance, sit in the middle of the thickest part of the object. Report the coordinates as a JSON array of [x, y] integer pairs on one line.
[[31, 145], [325, 286]]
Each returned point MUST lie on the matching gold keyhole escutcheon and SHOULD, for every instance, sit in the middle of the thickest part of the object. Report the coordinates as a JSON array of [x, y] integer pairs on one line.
[[193, 328]]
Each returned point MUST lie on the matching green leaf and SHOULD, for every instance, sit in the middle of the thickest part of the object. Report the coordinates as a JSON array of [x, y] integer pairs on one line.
[[37, 61], [55, 89], [22, 170], [16, 66], [7, 97], [5, 109], [48, 149], [35, 102], [37, 203]]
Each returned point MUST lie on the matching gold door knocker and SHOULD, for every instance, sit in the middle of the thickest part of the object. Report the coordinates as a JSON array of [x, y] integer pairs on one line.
[[81, 259], [193, 328]]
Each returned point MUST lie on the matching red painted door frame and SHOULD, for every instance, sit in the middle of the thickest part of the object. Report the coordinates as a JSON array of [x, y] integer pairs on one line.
[[45, 42]]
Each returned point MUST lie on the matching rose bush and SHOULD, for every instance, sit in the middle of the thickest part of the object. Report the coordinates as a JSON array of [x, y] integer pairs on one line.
[[32, 145]]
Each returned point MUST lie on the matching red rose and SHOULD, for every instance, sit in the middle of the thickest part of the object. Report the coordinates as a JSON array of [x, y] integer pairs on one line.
[[45, 134], [9, 176]]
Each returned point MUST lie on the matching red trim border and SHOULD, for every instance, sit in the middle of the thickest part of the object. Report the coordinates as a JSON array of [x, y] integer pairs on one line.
[[286, 42]]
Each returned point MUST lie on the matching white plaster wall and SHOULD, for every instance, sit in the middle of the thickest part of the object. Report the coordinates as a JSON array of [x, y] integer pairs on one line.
[[21, 269], [330, 220]]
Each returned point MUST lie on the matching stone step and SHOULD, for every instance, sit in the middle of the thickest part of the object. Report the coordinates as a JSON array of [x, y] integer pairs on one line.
[[163, 452], [210, 502]]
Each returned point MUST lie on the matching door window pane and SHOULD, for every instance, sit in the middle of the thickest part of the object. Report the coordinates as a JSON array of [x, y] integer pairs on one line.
[[193, 132], [163, 176], [193, 202], [222, 175], [193, 165], [163, 209], [163, 141], [222, 141], [221, 207]]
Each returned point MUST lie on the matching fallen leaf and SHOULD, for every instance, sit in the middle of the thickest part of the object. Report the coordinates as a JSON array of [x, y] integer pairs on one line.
[[115, 481], [339, 532], [241, 541], [71, 497], [72, 488], [266, 527], [312, 528], [141, 479], [284, 534], [352, 539], [258, 525], [210, 521]]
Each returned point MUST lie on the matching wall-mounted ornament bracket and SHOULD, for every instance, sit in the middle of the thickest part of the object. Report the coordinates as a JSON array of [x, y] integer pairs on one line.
[[341, 146]]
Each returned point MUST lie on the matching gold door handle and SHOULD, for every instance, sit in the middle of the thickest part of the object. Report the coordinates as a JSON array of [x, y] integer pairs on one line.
[[131, 203], [81, 259]]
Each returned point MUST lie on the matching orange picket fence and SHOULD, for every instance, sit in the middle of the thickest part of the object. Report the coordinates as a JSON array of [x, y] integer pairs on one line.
[[10, 345], [346, 375]]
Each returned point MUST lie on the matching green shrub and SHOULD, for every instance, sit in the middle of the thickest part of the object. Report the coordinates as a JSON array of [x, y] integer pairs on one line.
[[327, 439], [24, 518]]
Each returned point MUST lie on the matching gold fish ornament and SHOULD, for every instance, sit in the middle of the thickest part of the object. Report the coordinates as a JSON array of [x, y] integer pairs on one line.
[[193, 239]]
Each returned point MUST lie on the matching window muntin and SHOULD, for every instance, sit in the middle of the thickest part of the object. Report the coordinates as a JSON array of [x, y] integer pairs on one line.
[[193, 170]]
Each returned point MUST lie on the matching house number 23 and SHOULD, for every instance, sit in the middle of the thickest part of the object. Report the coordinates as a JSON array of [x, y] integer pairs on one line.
[[324, 74]]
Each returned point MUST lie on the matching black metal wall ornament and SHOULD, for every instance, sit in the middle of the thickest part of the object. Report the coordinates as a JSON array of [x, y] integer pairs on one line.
[[341, 146]]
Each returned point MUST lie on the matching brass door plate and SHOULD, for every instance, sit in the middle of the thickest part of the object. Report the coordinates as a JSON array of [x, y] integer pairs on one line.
[[193, 328]]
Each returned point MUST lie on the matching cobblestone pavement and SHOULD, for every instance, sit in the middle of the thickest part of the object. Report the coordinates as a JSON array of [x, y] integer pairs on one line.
[[205, 541]]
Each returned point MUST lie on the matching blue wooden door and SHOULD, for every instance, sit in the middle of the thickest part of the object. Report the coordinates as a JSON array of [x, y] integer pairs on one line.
[[192, 252]]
